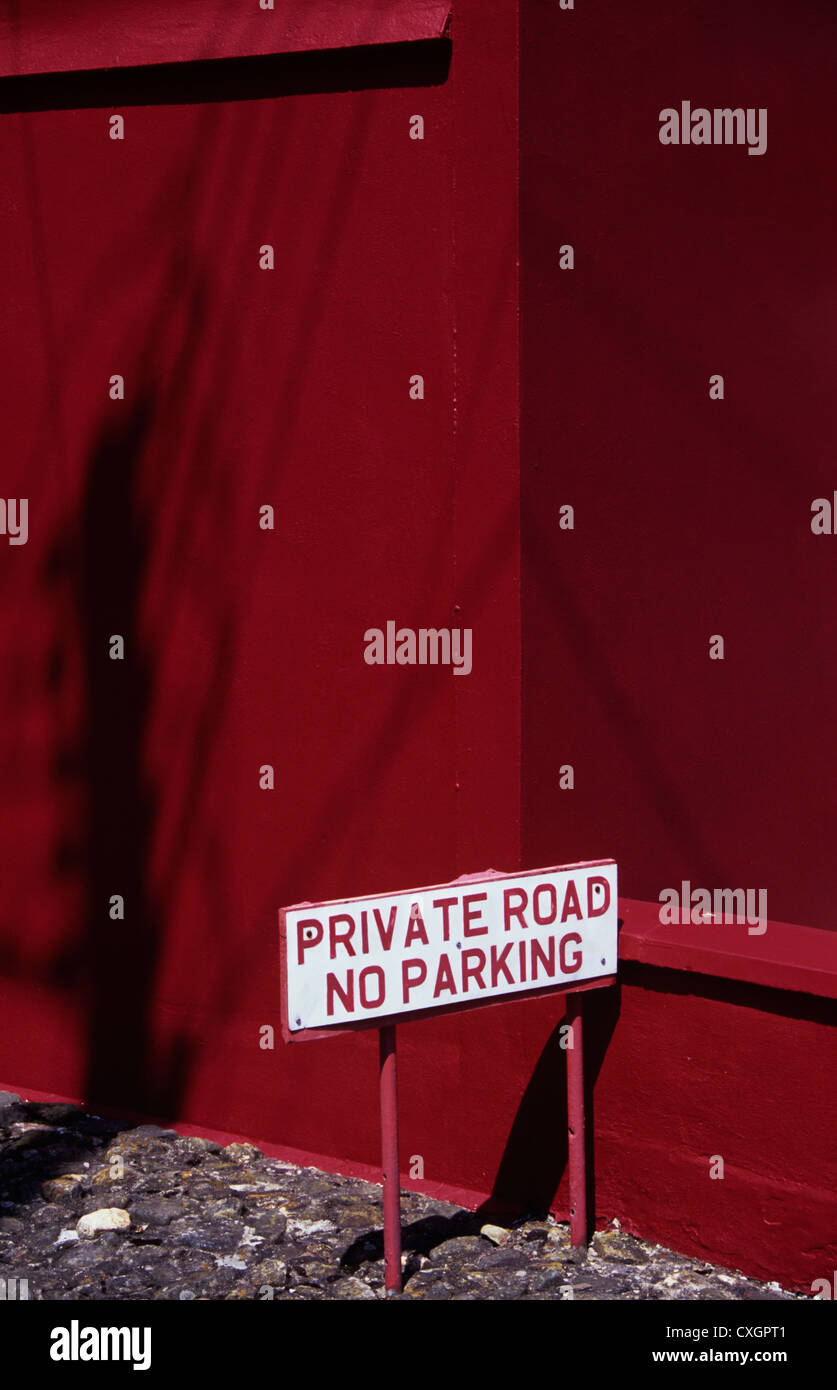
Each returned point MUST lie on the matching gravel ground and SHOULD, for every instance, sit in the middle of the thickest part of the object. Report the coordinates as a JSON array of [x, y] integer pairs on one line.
[[90, 1209]]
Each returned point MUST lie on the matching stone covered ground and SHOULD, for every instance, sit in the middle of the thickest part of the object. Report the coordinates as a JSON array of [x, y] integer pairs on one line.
[[90, 1209]]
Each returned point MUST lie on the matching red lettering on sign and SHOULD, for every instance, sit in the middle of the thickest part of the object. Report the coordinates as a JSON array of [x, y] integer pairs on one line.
[[309, 932], [347, 996], [509, 910], [416, 927], [597, 883], [387, 932], [413, 974], [445, 904], [444, 978], [340, 938], [572, 907], [576, 961], [470, 914], [377, 974], [540, 956], [552, 908], [488, 935], [472, 972], [498, 963]]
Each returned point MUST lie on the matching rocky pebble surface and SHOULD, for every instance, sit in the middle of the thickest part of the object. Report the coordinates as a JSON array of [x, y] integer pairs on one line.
[[92, 1209]]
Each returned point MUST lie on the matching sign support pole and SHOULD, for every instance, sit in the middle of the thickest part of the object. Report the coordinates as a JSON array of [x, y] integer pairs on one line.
[[389, 1159], [575, 1119]]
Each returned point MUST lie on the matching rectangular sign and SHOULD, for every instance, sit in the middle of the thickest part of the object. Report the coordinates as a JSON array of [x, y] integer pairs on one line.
[[482, 937]]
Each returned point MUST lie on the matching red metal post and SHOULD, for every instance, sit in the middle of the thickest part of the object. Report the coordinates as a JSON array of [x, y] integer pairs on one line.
[[389, 1160], [575, 1116]]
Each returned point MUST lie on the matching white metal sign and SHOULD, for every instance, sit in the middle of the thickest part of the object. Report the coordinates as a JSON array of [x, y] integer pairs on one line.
[[479, 938]]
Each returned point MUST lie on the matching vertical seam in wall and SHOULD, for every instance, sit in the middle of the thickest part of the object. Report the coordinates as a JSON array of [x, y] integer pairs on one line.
[[454, 305], [518, 358]]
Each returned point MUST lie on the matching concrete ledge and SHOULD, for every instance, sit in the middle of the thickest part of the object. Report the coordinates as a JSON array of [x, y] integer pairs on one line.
[[784, 956], [62, 37]]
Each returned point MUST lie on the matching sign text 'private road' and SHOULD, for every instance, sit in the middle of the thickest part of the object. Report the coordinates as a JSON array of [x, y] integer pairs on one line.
[[476, 939]]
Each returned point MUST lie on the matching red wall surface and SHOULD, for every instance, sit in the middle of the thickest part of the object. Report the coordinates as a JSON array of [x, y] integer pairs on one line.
[[692, 519], [244, 647], [693, 515], [246, 387]]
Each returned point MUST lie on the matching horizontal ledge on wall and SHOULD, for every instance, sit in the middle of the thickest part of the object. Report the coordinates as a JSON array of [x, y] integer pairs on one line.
[[782, 956], [60, 37]]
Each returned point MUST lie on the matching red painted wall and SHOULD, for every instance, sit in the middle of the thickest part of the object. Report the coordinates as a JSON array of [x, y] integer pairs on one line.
[[289, 387], [244, 647], [692, 518]]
